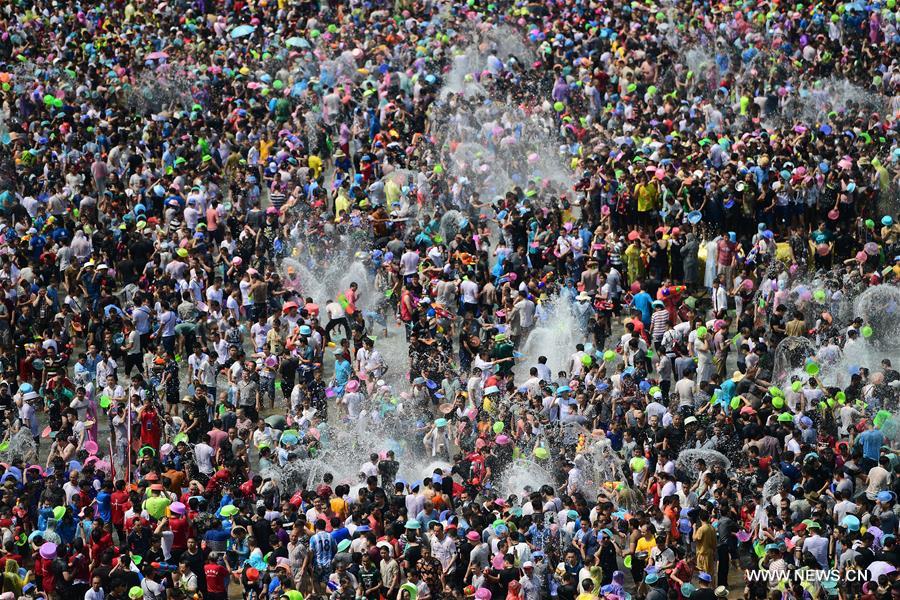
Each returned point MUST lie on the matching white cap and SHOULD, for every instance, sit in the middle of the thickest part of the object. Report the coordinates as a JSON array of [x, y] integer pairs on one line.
[[527, 565]]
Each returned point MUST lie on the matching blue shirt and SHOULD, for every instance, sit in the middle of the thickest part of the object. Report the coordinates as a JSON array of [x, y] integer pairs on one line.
[[727, 389], [322, 548], [871, 442], [339, 535], [644, 303], [104, 506]]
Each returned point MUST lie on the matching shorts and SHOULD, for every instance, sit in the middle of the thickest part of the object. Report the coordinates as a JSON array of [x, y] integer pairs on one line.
[[322, 572], [168, 344]]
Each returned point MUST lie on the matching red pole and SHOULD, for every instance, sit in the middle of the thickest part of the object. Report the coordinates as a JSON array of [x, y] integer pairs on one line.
[[112, 461], [128, 452]]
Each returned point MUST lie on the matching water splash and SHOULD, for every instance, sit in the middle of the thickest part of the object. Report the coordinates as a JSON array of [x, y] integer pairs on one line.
[[491, 141], [451, 223], [688, 460], [524, 476], [554, 338], [604, 463], [346, 447], [812, 104], [21, 448], [156, 92], [791, 356], [773, 485], [879, 307]]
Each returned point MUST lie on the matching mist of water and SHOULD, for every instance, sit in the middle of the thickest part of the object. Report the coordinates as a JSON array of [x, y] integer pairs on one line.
[[688, 460], [811, 104], [524, 476], [554, 338]]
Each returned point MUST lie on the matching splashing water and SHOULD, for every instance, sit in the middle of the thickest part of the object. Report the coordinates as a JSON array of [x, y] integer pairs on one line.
[[773, 485], [879, 307], [524, 476], [451, 223], [891, 428], [702, 63], [555, 338], [460, 79], [688, 459], [21, 448], [812, 104], [155, 92], [497, 146], [603, 463], [345, 448], [791, 355], [493, 144], [326, 280]]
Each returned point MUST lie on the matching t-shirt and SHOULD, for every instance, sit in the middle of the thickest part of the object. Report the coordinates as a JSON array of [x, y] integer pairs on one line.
[[871, 442], [409, 262], [469, 290], [104, 505], [216, 578], [878, 481], [725, 252], [203, 454], [644, 303], [818, 547]]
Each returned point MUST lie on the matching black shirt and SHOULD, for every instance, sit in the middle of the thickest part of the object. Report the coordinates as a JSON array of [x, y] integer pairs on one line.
[[703, 594], [261, 531]]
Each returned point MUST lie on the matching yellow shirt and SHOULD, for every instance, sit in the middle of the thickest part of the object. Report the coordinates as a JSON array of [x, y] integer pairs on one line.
[[264, 147], [315, 163], [339, 507], [645, 545], [391, 192], [341, 205], [647, 195]]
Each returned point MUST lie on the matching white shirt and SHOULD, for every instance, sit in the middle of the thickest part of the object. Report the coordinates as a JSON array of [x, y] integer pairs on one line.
[[719, 299], [443, 550], [469, 290], [369, 468], [409, 262], [203, 454]]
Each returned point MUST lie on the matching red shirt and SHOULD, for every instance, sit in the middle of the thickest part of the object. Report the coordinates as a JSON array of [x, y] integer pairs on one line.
[[181, 531], [15, 557], [150, 429], [216, 578], [216, 437], [79, 566], [119, 503], [97, 548], [725, 252], [48, 580]]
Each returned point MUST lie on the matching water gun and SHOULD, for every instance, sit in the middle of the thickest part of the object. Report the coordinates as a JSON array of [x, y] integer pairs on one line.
[[674, 289], [163, 567]]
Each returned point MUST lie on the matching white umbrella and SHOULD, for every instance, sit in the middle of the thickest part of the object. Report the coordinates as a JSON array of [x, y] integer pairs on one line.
[[879, 568]]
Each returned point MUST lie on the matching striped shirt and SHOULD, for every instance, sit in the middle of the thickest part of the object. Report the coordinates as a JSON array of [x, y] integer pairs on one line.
[[658, 322], [322, 548]]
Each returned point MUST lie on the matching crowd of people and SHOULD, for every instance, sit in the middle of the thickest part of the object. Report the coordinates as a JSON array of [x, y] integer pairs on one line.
[[573, 300]]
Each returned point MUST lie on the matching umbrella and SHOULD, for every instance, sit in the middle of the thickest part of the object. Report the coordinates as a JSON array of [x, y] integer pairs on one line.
[[296, 42], [277, 421], [242, 30], [879, 568], [156, 56]]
